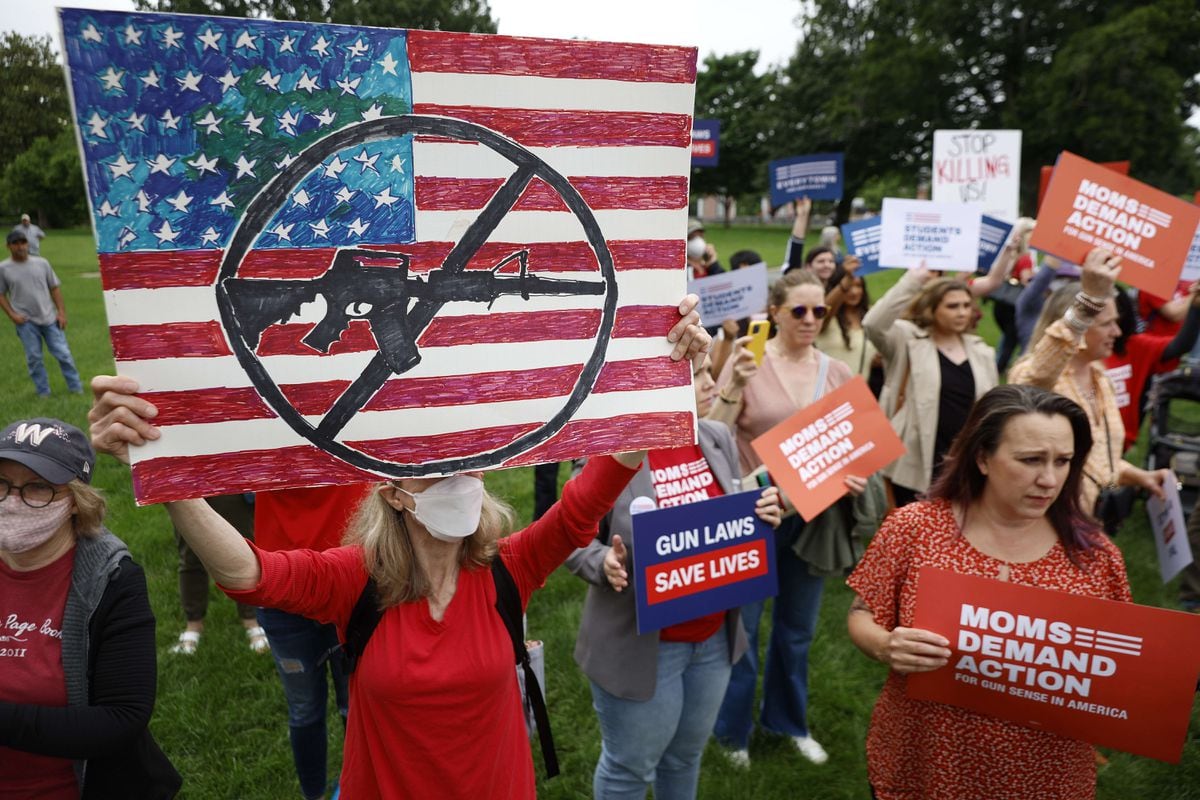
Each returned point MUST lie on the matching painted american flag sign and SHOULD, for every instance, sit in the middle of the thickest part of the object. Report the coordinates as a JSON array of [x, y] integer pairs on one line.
[[332, 253]]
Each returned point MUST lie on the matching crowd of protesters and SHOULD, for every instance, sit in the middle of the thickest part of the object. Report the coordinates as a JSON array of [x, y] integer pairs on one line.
[[1017, 482]]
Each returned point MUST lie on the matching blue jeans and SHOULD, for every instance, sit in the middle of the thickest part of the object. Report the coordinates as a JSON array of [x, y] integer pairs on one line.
[[31, 335], [298, 643], [661, 740], [785, 677]]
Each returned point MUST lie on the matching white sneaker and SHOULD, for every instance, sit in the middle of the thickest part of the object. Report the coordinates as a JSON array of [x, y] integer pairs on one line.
[[811, 749], [739, 758]]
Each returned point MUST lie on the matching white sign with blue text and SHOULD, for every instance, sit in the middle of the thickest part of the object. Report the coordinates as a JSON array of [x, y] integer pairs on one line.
[[731, 295], [941, 236]]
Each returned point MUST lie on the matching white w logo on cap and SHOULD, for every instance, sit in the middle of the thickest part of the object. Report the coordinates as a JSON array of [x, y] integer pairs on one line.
[[34, 432]]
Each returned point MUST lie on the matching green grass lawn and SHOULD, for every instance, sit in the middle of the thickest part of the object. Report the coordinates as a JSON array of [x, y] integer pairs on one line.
[[221, 715]]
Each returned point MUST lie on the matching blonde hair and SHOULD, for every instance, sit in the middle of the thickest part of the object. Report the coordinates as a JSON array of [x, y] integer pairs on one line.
[[383, 534], [90, 508], [1056, 305]]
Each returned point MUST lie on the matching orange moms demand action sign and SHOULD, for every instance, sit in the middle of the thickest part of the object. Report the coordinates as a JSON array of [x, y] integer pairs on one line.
[[810, 452], [1114, 674], [1090, 206]]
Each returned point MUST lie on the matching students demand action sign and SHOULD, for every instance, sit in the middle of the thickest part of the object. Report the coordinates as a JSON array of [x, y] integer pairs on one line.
[[1114, 674]]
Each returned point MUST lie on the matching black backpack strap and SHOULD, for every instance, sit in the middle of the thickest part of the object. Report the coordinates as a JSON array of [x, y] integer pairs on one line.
[[508, 604], [363, 621]]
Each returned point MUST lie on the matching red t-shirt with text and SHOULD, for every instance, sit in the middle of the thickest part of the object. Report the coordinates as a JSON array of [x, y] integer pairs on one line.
[[31, 671], [682, 475], [1129, 374]]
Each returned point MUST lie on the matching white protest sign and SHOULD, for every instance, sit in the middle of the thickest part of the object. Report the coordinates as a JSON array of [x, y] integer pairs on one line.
[[1170, 531], [1191, 267], [980, 167], [943, 236], [731, 295]]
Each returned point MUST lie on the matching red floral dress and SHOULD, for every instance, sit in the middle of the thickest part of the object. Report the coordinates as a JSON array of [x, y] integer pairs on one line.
[[921, 749]]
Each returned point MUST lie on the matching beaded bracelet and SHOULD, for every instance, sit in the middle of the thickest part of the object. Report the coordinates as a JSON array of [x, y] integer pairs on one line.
[[1074, 322], [1090, 303]]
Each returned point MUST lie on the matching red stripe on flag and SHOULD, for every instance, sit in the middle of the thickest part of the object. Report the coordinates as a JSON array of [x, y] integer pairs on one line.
[[640, 194], [161, 480], [315, 399], [549, 58], [285, 340], [171, 340], [193, 268], [639, 321], [420, 449], [537, 128]]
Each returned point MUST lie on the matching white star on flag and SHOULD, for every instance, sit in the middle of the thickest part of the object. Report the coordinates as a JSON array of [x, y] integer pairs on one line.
[[211, 121], [121, 168], [288, 122], [127, 236], [162, 164], [97, 123], [150, 79], [189, 82], [171, 38], [165, 233], [137, 121], [210, 236], [107, 209], [344, 194], [358, 227], [245, 167], [143, 201], [366, 162], [268, 80], [388, 63], [321, 46], [301, 198], [320, 229], [284, 232], [246, 40], [398, 164], [90, 34], [222, 201], [357, 49], [286, 160], [133, 35], [170, 121], [334, 167], [252, 123], [286, 45], [307, 83], [112, 79], [326, 117], [180, 202], [211, 39], [385, 198], [374, 112], [350, 86], [228, 80], [204, 164]]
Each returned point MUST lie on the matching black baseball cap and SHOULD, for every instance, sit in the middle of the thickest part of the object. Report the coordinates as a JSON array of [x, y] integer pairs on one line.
[[16, 236], [56, 451]]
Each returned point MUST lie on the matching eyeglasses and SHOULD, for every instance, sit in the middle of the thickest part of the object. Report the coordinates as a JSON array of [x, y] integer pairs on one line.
[[800, 312], [33, 494]]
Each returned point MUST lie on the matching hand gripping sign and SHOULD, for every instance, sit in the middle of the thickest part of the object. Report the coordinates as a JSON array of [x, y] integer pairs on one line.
[[809, 454], [1114, 674], [1089, 206]]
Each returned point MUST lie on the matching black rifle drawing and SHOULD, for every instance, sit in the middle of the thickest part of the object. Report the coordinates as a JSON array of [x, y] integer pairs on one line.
[[381, 295]]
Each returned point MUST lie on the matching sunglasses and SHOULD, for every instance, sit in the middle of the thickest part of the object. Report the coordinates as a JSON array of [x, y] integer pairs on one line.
[[801, 311]]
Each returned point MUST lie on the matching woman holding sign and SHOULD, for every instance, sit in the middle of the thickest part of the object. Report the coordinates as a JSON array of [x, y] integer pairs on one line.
[[934, 370], [657, 694], [1006, 506], [753, 400], [435, 709]]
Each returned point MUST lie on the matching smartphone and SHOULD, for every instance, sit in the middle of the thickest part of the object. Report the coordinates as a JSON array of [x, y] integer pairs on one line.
[[759, 329]]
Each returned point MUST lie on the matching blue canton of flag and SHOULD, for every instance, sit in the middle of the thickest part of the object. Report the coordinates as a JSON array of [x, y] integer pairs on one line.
[[183, 123]]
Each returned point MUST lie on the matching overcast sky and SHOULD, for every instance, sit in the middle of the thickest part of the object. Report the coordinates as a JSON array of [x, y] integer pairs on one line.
[[715, 26]]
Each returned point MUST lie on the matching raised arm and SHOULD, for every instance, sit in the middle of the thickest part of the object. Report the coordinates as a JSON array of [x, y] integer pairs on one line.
[[794, 257], [1186, 338], [880, 321]]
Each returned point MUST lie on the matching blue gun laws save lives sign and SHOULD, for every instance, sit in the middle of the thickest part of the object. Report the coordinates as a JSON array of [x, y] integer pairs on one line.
[[700, 558]]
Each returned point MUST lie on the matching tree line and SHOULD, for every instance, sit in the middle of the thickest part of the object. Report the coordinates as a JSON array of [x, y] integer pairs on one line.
[[1111, 80]]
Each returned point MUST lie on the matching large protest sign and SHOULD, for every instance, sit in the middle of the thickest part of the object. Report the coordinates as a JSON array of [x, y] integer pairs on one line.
[[1170, 530], [862, 240], [817, 176], [706, 142], [942, 236], [1088, 206], [1046, 172], [1113, 674], [810, 453], [731, 295], [980, 167], [334, 253], [699, 558]]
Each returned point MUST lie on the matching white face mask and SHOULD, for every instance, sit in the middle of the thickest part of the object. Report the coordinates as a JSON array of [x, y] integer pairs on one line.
[[23, 528], [449, 509], [696, 247]]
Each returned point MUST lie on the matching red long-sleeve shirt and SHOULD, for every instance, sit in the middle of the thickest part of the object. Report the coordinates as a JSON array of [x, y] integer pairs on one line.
[[435, 710]]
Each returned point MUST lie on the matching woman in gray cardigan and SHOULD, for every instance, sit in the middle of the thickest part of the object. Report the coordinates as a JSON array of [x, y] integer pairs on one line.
[[657, 694]]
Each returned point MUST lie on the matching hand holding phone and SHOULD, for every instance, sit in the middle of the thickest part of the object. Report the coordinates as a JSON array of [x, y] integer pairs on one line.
[[757, 345]]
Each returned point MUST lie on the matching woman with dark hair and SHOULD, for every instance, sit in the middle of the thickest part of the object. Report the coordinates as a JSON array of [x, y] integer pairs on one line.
[[1006, 506], [842, 335], [934, 370]]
